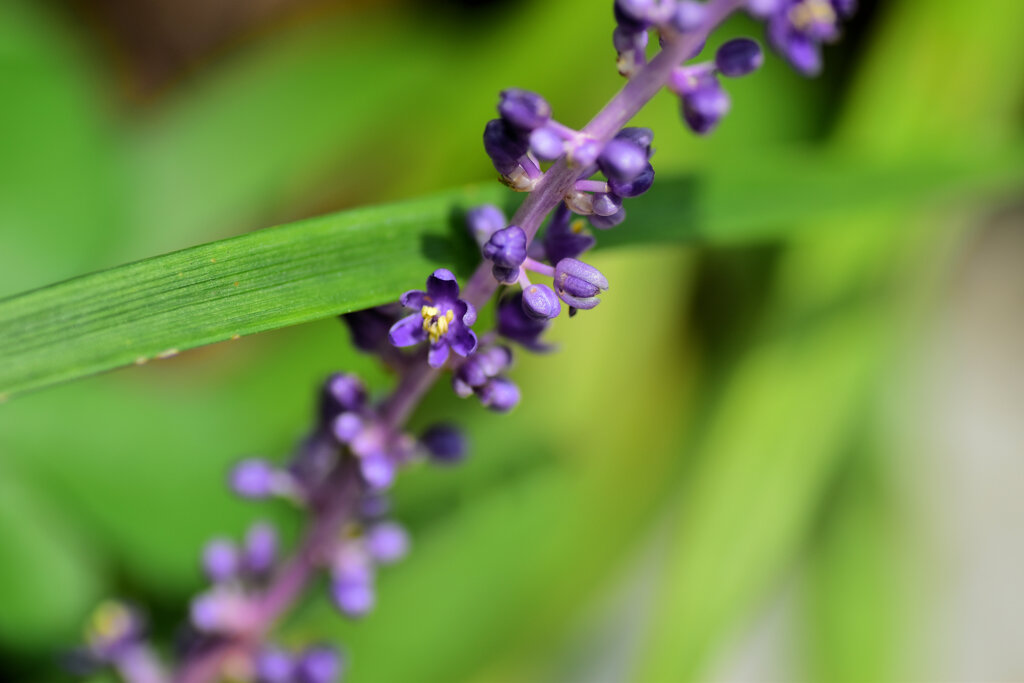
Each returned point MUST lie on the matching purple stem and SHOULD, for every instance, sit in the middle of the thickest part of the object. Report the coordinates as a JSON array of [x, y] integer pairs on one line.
[[557, 182], [538, 267], [591, 186]]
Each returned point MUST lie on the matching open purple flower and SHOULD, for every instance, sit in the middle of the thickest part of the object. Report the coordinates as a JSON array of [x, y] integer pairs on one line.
[[797, 28], [442, 318]]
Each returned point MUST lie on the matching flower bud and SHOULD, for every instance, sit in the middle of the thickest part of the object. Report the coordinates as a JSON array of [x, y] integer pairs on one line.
[[318, 664], [484, 221], [387, 542], [274, 666], [220, 560], [523, 109], [504, 145], [578, 283], [346, 427], [378, 470], [643, 137], [445, 443], [354, 599], [541, 302], [515, 324], [635, 187], [739, 57], [506, 249], [705, 106], [253, 478], [606, 204], [546, 143], [499, 394], [260, 550], [606, 222], [341, 392], [689, 15], [622, 160]]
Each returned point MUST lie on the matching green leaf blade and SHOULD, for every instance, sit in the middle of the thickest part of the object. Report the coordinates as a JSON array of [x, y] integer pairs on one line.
[[325, 266]]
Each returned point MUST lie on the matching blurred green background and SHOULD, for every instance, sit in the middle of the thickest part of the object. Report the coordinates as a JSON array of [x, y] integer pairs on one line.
[[791, 459]]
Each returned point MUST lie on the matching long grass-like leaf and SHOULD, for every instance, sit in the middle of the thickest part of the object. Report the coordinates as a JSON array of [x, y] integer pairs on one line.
[[347, 261]]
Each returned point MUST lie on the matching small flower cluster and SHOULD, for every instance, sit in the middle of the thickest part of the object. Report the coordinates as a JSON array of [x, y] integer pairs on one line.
[[524, 136], [315, 664], [798, 28], [115, 637], [342, 470]]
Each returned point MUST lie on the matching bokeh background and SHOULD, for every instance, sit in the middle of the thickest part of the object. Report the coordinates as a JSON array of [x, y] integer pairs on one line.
[[794, 458]]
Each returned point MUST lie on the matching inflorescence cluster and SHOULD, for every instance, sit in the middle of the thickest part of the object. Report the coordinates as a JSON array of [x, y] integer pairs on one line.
[[342, 471]]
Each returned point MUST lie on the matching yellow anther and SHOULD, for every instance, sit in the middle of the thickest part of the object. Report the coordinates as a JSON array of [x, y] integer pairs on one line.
[[109, 621], [810, 12], [434, 324], [577, 226]]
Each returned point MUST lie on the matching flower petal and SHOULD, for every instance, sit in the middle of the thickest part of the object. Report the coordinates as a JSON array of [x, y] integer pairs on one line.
[[414, 298], [442, 287], [438, 354], [462, 340], [465, 312], [408, 331]]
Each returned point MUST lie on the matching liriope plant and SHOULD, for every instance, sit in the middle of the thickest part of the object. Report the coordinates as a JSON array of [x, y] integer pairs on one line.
[[574, 180]]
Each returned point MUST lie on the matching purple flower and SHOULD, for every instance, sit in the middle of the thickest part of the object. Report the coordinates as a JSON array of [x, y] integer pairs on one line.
[[253, 478], [387, 542], [378, 470], [220, 560], [564, 238], [352, 598], [444, 442], [483, 221], [578, 283], [260, 549], [796, 29], [273, 665], [644, 137], [546, 143], [739, 57], [506, 250], [499, 394], [606, 204], [515, 324], [318, 664], [605, 222], [634, 15], [220, 611], [635, 187], [622, 160], [688, 16], [540, 302], [523, 109], [113, 628], [346, 427], [480, 367], [505, 145], [341, 392], [442, 318], [704, 105], [369, 327]]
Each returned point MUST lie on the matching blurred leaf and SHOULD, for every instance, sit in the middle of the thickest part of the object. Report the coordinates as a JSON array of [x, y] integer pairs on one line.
[[769, 452], [352, 260], [47, 578], [852, 634], [60, 159]]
